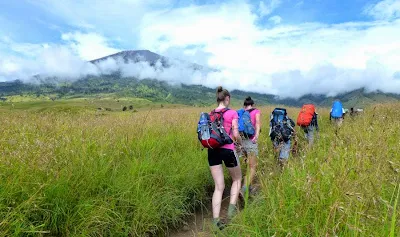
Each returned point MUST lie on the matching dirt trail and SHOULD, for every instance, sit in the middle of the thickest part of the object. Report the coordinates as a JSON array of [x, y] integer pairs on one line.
[[199, 225]]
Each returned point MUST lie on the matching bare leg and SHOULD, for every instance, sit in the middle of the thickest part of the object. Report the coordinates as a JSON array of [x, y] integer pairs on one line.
[[236, 174], [252, 159], [217, 173]]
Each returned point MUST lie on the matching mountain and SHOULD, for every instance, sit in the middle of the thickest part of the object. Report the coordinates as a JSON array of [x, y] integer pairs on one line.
[[152, 58], [162, 91], [135, 56]]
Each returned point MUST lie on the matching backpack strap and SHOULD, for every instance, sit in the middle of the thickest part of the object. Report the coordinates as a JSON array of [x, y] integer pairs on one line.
[[224, 110], [251, 110], [221, 113]]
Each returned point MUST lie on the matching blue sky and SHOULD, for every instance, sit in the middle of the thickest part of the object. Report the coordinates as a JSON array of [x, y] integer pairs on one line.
[[347, 43], [27, 21]]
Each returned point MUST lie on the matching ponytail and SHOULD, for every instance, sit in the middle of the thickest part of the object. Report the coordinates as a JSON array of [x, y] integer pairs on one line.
[[248, 101], [222, 94]]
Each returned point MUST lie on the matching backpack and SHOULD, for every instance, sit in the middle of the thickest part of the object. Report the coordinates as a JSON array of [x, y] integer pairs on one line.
[[281, 126], [337, 110], [210, 130], [306, 115], [246, 128]]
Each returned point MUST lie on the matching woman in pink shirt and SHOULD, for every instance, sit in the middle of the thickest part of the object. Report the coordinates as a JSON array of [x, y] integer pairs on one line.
[[250, 146], [226, 155]]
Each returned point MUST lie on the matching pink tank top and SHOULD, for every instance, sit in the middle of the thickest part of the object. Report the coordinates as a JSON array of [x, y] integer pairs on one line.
[[229, 116]]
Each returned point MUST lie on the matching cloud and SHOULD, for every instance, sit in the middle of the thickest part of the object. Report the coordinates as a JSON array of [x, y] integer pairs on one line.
[[288, 59], [89, 46], [67, 61], [384, 10], [275, 19], [299, 3], [52, 61], [268, 6], [251, 57], [118, 18]]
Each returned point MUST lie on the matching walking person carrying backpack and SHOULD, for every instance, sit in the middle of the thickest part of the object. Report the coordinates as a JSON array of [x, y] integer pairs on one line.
[[218, 131], [337, 113], [281, 132], [308, 121], [249, 129]]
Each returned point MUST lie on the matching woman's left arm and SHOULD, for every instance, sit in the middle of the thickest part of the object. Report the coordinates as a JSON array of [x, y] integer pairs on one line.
[[235, 131], [258, 127]]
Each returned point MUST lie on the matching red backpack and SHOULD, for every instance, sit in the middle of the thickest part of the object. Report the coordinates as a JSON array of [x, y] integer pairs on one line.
[[306, 115], [211, 131]]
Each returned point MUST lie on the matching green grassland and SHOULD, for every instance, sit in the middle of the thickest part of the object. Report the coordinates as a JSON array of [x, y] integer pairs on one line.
[[80, 104], [348, 184], [112, 174], [67, 169], [116, 86]]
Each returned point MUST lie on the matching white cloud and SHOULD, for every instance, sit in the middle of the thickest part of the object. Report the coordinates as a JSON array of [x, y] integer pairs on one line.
[[299, 3], [118, 18], [89, 46], [252, 57], [203, 25], [275, 19], [266, 7], [61, 62], [286, 59], [51, 61], [384, 10], [68, 61], [25, 49]]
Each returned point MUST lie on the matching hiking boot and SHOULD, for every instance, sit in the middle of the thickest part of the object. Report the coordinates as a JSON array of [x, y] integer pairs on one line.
[[219, 225], [232, 211], [252, 191], [242, 192], [282, 163]]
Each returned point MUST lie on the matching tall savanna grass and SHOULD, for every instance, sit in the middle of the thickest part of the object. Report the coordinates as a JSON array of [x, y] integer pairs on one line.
[[347, 184], [135, 174], [115, 174]]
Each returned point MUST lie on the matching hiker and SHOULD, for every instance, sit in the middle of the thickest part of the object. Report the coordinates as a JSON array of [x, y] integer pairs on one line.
[[337, 113], [281, 131], [308, 121], [249, 129], [219, 132], [352, 112]]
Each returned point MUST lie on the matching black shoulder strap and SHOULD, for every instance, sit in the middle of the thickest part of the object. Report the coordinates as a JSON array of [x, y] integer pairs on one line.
[[251, 110], [223, 110], [220, 113]]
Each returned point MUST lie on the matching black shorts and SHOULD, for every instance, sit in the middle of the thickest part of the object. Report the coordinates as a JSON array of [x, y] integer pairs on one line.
[[216, 156]]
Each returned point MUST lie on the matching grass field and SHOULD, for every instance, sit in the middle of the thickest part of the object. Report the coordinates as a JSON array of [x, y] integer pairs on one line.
[[348, 184], [77, 172]]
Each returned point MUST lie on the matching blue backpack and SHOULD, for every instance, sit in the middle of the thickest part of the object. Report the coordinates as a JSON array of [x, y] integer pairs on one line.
[[337, 110], [278, 117], [281, 127], [246, 128]]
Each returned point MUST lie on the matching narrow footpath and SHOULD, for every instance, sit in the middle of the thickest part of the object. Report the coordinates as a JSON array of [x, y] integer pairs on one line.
[[199, 225]]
